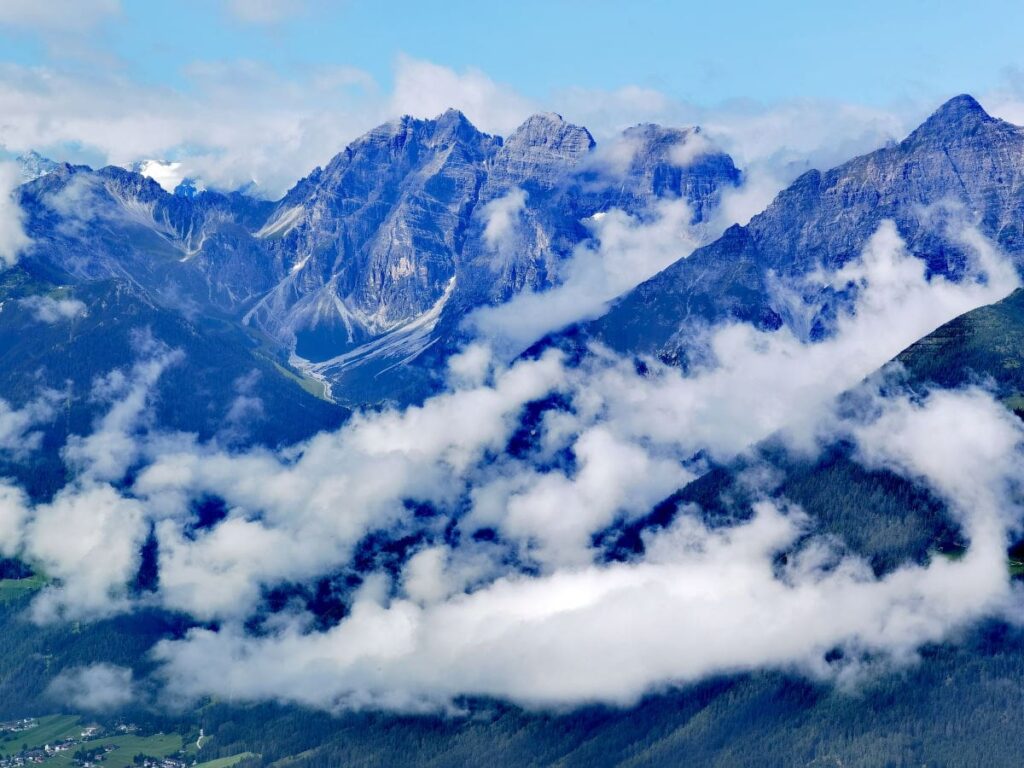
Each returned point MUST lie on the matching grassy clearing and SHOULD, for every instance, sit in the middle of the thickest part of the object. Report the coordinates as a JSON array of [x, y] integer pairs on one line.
[[267, 350], [226, 762], [127, 745], [1014, 402], [14, 589], [49, 729], [312, 386], [1014, 566], [288, 760]]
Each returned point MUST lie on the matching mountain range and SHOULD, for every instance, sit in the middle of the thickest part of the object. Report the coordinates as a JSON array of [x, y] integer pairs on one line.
[[359, 280], [354, 290], [960, 167], [376, 256]]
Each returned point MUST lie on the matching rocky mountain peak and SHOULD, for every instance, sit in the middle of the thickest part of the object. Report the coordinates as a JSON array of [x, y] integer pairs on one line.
[[540, 152], [960, 117], [657, 144], [549, 129], [453, 125], [960, 107], [649, 162]]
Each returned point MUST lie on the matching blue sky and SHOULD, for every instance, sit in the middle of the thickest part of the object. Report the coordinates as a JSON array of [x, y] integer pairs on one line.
[[264, 90], [869, 51]]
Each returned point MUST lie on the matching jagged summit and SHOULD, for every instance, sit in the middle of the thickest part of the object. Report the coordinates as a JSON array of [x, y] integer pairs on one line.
[[960, 117], [651, 161], [664, 144], [538, 153], [959, 107], [453, 124], [545, 118], [552, 130], [450, 126]]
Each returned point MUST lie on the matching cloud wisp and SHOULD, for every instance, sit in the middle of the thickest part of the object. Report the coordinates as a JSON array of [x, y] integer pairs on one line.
[[621, 253], [50, 310], [94, 688], [13, 239]]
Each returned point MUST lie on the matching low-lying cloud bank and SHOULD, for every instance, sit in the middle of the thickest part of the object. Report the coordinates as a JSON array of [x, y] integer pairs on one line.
[[700, 601], [507, 590]]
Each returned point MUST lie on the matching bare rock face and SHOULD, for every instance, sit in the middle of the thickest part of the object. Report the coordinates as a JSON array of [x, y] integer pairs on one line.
[[420, 221], [371, 241], [537, 155]]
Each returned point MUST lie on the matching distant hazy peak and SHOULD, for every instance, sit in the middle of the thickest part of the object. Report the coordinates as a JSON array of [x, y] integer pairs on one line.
[[32, 165]]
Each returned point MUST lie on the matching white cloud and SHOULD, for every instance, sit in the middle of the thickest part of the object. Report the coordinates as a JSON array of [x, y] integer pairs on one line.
[[424, 89], [13, 239], [622, 253], [18, 425], [13, 514], [167, 175], [556, 515], [471, 366], [784, 139], [741, 203], [94, 688], [424, 577], [807, 134], [63, 15], [89, 538], [701, 602], [502, 216], [108, 452], [238, 121], [692, 148], [978, 470], [246, 409], [49, 310], [762, 382], [294, 520]]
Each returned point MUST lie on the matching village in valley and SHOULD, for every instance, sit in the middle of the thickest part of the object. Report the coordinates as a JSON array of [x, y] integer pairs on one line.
[[65, 741]]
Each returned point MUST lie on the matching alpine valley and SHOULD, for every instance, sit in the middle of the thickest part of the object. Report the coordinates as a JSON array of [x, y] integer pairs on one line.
[[517, 450]]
